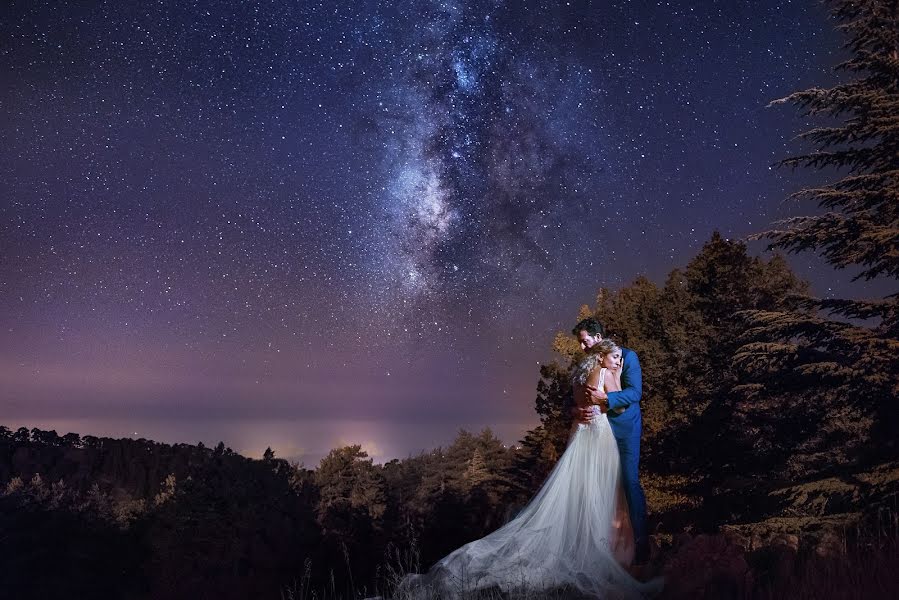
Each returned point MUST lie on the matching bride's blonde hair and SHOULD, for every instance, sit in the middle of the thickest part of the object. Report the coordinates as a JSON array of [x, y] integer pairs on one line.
[[606, 346], [583, 369]]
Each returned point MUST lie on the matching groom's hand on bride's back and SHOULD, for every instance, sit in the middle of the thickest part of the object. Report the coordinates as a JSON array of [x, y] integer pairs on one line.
[[586, 415], [598, 397], [581, 414]]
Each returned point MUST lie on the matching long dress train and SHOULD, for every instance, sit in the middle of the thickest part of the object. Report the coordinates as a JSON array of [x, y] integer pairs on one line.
[[564, 537]]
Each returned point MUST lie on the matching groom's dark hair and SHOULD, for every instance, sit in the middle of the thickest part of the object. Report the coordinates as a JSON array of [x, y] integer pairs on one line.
[[591, 326]]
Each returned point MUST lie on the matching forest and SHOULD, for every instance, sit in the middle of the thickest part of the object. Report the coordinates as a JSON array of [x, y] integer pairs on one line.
[[770, 449]]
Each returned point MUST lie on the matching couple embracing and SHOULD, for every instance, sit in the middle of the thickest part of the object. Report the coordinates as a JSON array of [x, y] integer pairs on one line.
[[587, 523]]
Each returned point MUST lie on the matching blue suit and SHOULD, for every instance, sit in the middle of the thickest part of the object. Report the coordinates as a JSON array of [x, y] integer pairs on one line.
[[626, 427]]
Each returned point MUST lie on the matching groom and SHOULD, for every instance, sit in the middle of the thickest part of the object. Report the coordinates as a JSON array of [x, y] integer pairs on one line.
[[626, 427]]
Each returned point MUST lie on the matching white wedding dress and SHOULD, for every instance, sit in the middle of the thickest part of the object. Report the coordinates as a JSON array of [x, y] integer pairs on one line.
[[563, 538]]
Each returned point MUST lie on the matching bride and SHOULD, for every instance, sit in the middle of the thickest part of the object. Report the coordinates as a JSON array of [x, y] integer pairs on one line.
[[571, 535]]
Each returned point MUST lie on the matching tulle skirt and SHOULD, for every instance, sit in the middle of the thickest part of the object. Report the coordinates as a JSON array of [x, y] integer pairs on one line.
[[567, 536]]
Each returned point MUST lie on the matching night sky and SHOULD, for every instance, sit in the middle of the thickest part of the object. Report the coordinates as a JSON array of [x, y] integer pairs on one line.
[[302, 225]]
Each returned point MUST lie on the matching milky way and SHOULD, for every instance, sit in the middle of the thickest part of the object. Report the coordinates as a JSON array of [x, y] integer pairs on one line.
[[481, 156]]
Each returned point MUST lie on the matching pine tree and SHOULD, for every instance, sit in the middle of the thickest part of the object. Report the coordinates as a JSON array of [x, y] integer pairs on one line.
[[817, 390], [554, 396], [476, 472], [21, 436], [166, 491], [861, 224], [349, 486], [686, 332], [532, 462]]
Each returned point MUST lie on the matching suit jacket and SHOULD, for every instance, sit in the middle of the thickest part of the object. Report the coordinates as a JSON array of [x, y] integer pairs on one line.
[[630, 394]]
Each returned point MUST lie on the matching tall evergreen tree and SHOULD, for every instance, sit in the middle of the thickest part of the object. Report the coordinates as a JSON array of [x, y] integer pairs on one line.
[[827, 388], [685, 333], [861, 224]]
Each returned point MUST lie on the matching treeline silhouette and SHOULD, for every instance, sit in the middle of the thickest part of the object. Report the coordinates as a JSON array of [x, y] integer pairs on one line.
[[98, 517]]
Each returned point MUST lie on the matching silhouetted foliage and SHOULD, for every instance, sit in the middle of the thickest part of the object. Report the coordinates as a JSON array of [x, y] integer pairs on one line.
[[136, 518], [685, 333], [199, 522], [824, 387], [860, 225]]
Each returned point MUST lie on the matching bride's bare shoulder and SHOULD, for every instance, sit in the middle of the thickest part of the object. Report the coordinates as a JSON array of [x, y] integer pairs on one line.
[[612, 380]]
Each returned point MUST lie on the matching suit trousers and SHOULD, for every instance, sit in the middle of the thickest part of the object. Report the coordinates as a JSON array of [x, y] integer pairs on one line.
[[627, 428]]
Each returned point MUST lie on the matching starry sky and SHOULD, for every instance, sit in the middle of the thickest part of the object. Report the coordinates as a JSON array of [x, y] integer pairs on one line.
[[303, 224]]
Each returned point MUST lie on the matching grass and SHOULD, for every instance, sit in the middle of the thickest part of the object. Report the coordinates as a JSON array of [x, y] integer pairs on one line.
[[863, 565], [859, 564], [390, 573]]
